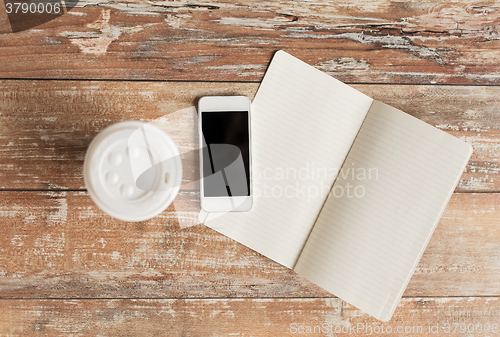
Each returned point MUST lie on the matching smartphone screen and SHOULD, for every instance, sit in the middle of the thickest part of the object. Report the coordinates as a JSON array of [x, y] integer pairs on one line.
[[226, 158]]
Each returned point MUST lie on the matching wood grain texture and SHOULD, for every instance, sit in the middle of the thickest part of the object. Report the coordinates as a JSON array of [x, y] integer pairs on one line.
[[242, 317], [378, 41], [60, 245], [47, 125], [66, 268]]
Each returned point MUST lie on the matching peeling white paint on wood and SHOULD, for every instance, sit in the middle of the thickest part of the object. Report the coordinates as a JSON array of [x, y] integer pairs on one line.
[[342, 63], [100, 37], [58, 214], [415, 42]]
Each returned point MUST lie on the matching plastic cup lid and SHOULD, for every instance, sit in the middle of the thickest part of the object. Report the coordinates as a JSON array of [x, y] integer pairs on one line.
[[132, 170]]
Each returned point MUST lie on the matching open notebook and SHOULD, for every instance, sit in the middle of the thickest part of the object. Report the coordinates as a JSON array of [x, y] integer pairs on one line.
[[347, 190]]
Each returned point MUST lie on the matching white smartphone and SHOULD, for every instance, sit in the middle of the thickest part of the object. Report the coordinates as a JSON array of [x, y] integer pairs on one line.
[[225, 153]]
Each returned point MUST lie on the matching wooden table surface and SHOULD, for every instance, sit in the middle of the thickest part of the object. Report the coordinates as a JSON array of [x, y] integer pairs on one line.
[[66, 268]]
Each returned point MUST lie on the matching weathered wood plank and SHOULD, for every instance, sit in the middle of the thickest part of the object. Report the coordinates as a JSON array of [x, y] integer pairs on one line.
[[60, 245], [377, 41], [245, 317], [46, 126]]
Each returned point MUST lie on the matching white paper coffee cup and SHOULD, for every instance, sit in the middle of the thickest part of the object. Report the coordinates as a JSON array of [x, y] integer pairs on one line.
[[132, 170]]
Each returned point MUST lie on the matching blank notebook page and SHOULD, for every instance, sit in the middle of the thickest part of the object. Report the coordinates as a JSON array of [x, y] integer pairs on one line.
[[400, 173], [302, 121]]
